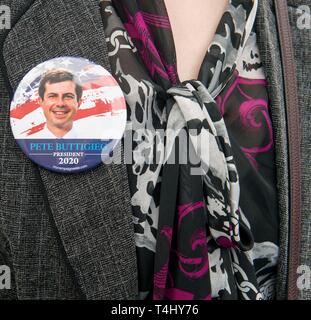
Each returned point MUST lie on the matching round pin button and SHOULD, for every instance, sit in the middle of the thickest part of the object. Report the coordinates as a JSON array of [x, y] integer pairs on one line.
[[68, 114]]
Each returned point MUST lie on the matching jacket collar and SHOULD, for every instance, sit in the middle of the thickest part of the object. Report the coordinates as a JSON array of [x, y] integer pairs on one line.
[[267, 37], [91, 211]]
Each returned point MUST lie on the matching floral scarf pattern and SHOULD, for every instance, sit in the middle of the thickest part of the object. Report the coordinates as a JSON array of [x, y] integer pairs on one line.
[[193, 226]]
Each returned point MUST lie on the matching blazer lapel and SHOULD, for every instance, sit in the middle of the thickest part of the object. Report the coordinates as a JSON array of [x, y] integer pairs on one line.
[[267, 34], [92, 211]]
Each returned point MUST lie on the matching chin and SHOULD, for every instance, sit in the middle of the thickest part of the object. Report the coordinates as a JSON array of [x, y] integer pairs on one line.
[[62, 123]]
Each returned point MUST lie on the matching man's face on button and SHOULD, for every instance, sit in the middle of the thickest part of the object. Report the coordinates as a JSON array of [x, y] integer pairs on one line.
[[60, 103]]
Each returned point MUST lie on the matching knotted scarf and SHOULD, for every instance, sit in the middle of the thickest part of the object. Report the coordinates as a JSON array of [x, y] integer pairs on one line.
[[183, 180]]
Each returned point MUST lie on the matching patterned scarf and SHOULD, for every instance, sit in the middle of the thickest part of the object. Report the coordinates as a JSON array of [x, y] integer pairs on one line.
[[183, 180]]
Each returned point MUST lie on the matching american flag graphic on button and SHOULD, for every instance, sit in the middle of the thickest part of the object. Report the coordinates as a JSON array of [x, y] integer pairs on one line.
[[68, 114]]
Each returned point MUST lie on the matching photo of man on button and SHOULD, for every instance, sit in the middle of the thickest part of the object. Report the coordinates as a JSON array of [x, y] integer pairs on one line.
[[60, 97]]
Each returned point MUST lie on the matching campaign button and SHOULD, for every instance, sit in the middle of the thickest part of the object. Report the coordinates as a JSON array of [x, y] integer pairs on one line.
[[68, 114]]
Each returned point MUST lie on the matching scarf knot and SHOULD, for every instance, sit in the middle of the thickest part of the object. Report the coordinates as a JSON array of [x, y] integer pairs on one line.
[[195, 112]]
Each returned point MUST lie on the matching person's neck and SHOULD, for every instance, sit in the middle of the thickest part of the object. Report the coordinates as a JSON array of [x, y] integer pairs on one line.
[[59, 132], [194, 24]]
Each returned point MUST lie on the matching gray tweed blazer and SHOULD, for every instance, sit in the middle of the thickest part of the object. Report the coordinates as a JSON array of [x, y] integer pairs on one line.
[[71, 236]]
